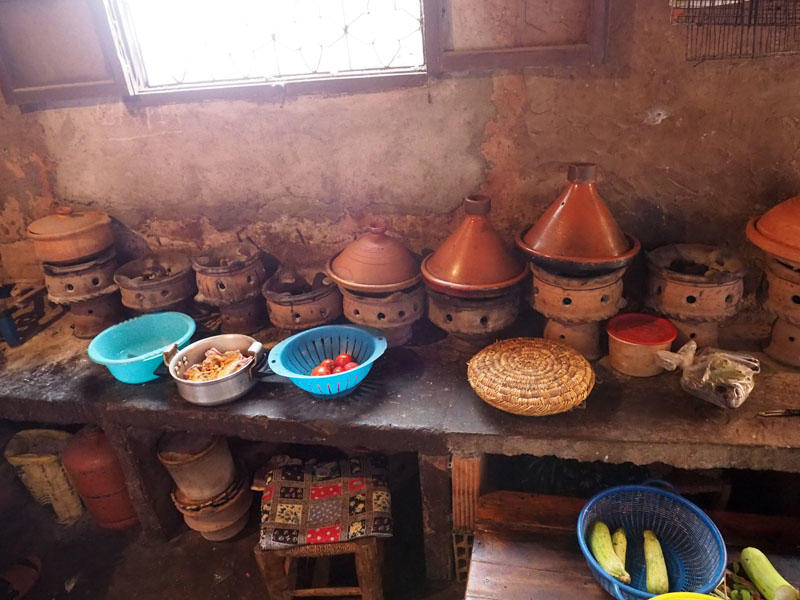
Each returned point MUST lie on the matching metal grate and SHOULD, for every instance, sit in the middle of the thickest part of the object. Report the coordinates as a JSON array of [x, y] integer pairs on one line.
[[717, 29], [200, 43]]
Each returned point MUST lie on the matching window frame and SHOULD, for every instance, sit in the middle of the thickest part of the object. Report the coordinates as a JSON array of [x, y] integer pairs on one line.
[[263, 90], [112, 86], [445, 61], [439, 62]]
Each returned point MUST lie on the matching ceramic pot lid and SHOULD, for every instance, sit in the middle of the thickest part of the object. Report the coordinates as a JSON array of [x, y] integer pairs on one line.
[[65, 222], [579, 229], [777, 231], [375, 262], [473, 260], [642, 329]]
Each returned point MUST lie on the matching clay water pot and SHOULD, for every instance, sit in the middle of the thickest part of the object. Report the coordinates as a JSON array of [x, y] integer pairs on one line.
[[375, 263], [577, 234], [70, 236], [474, 261], [777, 231]]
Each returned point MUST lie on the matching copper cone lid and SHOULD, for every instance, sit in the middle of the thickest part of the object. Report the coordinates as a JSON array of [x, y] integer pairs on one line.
[[473, 260], [577, 233], [777, 231], [375, 263]]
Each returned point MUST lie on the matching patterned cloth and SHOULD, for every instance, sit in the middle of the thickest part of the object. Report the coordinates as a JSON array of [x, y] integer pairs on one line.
[[318, 503]]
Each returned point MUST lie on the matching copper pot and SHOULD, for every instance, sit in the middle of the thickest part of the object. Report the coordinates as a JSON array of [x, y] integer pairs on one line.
[[473, 261], [70, 236], [375, 263]]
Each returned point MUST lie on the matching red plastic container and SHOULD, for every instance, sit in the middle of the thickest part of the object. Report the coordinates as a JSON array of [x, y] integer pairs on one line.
[[93, 468], [633, 341]]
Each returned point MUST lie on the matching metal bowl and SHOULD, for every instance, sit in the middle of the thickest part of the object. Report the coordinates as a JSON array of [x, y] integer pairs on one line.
[[219, 391]]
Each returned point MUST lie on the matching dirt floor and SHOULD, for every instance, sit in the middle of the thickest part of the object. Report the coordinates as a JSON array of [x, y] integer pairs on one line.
[[84, 562]]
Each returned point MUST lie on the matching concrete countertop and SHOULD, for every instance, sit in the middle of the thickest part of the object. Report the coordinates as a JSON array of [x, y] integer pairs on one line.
[[417, 398]]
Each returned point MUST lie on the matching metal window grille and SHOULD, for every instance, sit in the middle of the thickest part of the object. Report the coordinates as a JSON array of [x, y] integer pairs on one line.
[[717, 29], [191, 44]]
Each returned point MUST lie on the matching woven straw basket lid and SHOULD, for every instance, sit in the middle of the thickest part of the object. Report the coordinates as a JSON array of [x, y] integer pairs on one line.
[[530, 376]]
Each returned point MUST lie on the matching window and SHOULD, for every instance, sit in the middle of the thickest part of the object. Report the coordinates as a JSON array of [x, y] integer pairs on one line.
[[55, 51], [190, 44]]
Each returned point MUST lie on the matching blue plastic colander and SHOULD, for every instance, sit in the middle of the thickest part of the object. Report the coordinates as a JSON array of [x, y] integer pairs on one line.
[[131, 350], [296, 356], [694, 550]]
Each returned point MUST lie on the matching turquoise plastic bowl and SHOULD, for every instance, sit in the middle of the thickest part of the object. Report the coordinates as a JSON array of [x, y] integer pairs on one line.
[[296, 356], [132, 350]]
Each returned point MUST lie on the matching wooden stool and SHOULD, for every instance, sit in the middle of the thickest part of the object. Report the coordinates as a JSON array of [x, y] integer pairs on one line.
[[279, 569]]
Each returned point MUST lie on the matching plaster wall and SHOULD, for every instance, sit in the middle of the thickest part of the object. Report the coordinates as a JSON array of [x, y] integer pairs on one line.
[[688, 152]]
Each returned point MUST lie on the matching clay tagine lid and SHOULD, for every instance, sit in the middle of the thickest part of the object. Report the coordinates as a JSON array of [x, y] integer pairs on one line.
[[375, 263], [66, 221], [777, 231], [473, 261], [577, 234]]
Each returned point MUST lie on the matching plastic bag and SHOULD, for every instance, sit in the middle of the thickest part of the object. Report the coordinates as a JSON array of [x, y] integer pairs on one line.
[[718, 376]]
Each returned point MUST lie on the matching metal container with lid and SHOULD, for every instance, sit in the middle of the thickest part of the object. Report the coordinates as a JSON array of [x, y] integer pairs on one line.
[[375, 263], [577, 234], [70, 236], [474, 261]]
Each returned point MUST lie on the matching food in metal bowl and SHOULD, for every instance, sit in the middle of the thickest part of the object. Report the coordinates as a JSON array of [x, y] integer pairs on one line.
[[217, 365]]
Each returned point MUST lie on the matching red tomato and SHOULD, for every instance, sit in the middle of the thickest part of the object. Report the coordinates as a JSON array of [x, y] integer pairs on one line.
[[343, 359], [350, 365], [328, 363], [338, 369], [320, 370]]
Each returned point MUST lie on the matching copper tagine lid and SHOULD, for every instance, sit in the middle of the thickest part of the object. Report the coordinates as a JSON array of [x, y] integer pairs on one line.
[[577, 234], [375, 263], [777, 231], [473, 261], [66, 221]]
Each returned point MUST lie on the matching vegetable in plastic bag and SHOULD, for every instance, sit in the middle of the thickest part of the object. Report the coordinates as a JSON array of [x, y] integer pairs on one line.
[[718, 376]]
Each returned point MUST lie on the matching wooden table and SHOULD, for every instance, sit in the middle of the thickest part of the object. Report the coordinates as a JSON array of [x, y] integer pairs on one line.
[[416, 399]]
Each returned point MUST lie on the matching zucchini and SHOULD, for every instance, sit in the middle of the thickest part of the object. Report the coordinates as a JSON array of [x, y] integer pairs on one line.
[[620, 544], [764, 576], [603, 552], [657, 580]]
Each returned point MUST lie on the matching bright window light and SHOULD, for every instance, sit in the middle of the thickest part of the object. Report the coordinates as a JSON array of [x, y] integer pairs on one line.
[[210, 43]]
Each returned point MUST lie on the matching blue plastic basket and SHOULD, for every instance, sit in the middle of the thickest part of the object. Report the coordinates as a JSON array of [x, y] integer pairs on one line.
[[296, 356], [694, 550], [132, 350]]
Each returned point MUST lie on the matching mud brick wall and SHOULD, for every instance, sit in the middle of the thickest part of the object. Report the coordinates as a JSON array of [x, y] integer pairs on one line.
[[688, 151]]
